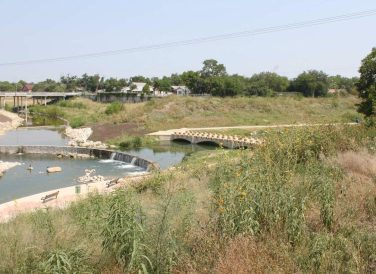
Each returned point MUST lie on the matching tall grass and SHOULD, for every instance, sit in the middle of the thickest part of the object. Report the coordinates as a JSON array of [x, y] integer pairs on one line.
[[271, 191], [284, 207]]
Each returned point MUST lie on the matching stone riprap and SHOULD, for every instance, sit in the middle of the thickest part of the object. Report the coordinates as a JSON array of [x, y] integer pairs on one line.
[[79, 138], [90, 152]]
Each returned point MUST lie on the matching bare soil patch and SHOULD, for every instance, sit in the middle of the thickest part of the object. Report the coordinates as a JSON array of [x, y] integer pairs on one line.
[[4, 119]]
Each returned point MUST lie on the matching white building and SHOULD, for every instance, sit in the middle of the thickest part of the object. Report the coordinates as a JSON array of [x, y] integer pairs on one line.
[[180, 90], [136, 87]]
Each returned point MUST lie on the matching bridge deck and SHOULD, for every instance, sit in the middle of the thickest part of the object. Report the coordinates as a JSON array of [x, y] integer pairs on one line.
[[219, 139], [39, 94]]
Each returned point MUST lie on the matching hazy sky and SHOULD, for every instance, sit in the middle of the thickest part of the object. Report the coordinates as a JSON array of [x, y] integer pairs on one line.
[[36, 29]]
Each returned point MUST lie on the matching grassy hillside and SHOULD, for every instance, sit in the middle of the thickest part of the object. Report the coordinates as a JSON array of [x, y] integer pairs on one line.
[[177, 112], [302, 203]]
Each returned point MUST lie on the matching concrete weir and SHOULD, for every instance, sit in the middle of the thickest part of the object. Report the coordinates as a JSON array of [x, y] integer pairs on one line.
[[97, 153]]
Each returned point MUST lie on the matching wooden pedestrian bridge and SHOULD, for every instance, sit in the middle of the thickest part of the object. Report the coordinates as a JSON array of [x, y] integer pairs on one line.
[[221, 140]]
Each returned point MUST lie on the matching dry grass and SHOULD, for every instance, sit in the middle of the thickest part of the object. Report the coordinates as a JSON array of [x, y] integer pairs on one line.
[[247, 255], [357, 192], [358, 163]]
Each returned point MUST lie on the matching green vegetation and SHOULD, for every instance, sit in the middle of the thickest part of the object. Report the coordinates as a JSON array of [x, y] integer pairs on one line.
[[129, 142], [367, 85], [77, 122], [312, 83], [212, 79], [71, 104], [50, 115], [114, 108], [178, 112], [302, 202]]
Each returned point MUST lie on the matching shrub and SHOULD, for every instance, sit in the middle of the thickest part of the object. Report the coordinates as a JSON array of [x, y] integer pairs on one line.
[[65, 262], [114, 108], [128, 142], [123, 233], [71, 104], [77, 122]]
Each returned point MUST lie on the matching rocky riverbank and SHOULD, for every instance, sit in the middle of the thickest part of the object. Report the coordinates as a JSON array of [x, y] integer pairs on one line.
[[79, 138], [9, 121]]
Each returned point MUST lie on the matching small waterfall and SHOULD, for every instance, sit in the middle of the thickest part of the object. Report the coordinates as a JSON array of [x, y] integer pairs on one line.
[[134, 159], [113, 154]]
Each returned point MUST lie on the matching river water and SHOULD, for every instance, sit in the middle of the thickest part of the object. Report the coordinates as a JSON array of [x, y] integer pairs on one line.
[[19, 182]]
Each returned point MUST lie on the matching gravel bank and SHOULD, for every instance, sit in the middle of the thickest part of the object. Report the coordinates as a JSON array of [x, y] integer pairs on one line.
[[9, 121]]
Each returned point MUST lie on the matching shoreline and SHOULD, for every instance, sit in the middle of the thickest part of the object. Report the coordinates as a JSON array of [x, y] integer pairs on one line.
[[67, 196], [4, 166], [14, 121]]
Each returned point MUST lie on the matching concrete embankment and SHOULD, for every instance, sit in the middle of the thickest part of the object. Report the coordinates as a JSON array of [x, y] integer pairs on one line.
[[72, 151]]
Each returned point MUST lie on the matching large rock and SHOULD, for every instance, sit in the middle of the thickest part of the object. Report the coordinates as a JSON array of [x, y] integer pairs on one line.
[[54, 169]]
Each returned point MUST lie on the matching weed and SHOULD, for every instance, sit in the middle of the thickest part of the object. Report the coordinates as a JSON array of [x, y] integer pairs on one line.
[[114, 108]]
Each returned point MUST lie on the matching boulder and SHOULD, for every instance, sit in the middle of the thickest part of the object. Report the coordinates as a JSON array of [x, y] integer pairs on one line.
[[54, 169]]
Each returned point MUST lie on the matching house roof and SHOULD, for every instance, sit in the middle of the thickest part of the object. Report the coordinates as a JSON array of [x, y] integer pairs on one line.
[[28, 86], [181, 88]]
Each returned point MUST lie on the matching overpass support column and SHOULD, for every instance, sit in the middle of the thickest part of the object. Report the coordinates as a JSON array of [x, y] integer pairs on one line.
[[45, 100]]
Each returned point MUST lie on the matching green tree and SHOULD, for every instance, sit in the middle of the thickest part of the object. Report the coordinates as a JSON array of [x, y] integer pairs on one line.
[[339, 82], [140, 79], [163, 84], [175, 79], [193, 81], [7, 86], [71, 82], [49, 85], [311, 83], [367, 85], [91, 83], [146, 89], [113, 84], [212, 68], [266, 84]]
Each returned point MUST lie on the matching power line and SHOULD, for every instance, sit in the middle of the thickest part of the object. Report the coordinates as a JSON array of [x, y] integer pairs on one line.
[[227, 36]]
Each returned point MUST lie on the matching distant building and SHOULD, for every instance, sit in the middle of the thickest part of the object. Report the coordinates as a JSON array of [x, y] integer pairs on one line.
[[136, 87], [180, 90], [27, 88]]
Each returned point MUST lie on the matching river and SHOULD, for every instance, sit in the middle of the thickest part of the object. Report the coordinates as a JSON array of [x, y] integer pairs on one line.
[[19, 182]]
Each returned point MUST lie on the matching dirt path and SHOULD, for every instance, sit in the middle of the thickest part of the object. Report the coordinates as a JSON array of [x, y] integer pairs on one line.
[[171, 131]]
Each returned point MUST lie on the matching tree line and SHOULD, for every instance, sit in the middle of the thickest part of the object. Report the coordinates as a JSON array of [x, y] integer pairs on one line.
[[212, 79]]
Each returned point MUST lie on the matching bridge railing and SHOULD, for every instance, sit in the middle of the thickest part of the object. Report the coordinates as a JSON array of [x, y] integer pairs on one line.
[[38, 94]]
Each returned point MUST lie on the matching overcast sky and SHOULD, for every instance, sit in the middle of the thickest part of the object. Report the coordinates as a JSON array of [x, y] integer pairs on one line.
[[37, 29]]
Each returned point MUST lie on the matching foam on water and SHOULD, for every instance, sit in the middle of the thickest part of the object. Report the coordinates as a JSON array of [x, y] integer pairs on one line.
[[106, 161], [128, 166]]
